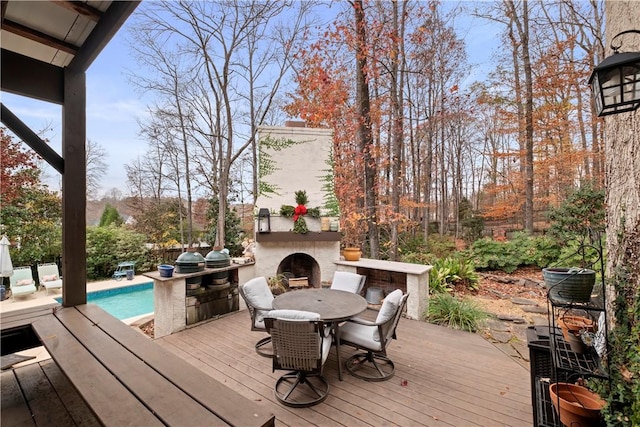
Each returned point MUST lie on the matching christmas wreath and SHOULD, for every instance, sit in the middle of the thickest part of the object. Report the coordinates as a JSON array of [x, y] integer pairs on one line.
[[298, 212]]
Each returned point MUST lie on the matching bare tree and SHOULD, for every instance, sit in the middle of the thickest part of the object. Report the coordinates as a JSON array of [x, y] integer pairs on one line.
[[96, 168], [233, 57]]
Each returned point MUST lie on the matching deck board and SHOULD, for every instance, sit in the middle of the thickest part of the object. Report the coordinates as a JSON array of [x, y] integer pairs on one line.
[[453, 378]]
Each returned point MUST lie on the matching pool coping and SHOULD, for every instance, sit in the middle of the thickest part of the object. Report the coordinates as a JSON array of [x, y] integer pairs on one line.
[[41, 298]]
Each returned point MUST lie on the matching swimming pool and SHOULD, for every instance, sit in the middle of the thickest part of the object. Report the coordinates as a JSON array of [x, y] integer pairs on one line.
[[124, 302]]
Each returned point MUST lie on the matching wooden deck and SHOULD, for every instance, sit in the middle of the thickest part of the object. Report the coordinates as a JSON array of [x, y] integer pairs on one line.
[[443, 377]]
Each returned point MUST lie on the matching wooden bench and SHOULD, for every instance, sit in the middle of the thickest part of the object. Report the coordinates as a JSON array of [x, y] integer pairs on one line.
[[127, 379]]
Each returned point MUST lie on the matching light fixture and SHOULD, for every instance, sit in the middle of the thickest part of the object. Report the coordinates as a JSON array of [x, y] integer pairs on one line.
[[615, 82], [264, 221]]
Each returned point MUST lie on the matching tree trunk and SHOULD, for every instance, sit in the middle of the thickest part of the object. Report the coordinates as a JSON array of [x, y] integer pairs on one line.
[[622, 168], [365, 136]]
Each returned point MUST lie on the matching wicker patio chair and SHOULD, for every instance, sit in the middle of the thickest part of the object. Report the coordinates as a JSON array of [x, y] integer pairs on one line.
[[374, 337], [346, 281], [259, 299], [301, 345]]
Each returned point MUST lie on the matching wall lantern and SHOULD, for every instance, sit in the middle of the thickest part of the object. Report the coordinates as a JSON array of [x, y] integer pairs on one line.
[[615, 82], [264, 221]]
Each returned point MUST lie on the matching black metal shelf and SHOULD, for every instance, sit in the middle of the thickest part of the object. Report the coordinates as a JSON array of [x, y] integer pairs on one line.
[[580, 364], [546, 413], [593, 305]]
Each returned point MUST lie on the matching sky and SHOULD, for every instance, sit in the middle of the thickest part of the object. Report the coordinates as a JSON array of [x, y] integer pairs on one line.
[[114, 107]]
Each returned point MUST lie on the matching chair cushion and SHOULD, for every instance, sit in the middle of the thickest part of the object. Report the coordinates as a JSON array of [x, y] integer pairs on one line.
[[293, 315], [23, 290], [345, 281], [361, 335], [258, 294], [24, 282], [52, 284], [326, 347], [388, 310], [50, 278], [389, 306]]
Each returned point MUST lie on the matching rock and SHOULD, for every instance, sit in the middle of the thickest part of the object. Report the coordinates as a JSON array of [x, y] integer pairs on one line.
[[502, 337], [496, 325], [499, 294], [535, 309], [533, 284], [511, 318], [523, 301], [522, 349]]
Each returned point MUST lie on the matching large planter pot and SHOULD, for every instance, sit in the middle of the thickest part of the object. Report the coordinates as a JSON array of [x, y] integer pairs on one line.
[[352, 254], [569, 285], [579, 407]]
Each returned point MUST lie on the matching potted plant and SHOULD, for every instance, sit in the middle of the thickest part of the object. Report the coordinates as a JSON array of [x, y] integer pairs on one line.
[[569, 284], [579, 223], [353, 235], [578, 331], [277, 284]]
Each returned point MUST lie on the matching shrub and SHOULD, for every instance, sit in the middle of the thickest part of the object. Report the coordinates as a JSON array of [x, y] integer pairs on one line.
[[521, 250], [463, 314], [414, 249], [450, 272], [490, 254], [441, 246], [107, 246]]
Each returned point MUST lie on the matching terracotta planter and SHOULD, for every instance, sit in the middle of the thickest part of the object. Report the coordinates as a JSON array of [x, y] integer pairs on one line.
[[572, 327], [577, 324], [352, 254], [579, 407]]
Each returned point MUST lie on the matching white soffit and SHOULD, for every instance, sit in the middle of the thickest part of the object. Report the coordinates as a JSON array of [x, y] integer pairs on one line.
[[50, 19]]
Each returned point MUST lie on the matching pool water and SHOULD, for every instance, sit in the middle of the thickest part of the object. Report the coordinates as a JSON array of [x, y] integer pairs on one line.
[[125, 302]]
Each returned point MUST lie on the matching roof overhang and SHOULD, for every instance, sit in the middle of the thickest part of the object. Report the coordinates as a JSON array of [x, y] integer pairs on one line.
[[40, 38]]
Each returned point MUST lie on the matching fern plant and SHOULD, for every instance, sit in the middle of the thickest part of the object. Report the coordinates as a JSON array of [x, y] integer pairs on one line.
[[450, 272]]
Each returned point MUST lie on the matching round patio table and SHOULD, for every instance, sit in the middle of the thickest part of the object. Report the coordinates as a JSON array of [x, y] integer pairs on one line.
[[333, 306]]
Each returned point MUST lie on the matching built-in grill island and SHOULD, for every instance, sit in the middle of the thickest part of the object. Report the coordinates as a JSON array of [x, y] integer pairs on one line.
[[201, 288]]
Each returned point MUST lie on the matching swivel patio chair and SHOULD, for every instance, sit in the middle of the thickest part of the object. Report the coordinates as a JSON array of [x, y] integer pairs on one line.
[[374, 337], [22, 283], [259, 299], [301, 345], [346, 281], [49, 276]]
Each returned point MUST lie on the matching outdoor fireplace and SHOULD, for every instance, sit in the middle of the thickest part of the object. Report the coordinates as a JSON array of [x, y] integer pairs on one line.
[[300, 166], [301, 265]]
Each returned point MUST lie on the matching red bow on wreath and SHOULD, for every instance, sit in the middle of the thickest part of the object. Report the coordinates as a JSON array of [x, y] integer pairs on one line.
[[299, 210]]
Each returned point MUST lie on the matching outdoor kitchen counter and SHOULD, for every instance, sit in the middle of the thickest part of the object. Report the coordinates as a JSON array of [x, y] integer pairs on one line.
[[170, 293], [417, 280]]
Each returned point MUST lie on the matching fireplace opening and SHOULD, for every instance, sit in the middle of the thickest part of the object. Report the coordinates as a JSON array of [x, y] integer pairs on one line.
[[301, 265]]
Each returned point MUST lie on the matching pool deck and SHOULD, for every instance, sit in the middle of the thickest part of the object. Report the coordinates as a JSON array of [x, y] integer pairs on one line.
[[40, 298]]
